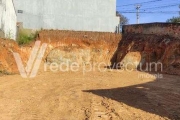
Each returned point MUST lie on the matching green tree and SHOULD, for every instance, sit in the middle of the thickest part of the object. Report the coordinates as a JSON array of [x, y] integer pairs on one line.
[[123, 20], [173, 20]]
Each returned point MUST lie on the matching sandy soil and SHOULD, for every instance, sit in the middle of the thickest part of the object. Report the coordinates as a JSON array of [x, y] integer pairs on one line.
[[109, 95]]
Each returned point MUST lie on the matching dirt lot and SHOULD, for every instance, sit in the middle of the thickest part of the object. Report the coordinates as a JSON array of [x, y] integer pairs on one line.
[[110, 95]]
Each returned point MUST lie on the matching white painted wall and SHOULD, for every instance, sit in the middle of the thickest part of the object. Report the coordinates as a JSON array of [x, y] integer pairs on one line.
[[8, 18], [78, 15]]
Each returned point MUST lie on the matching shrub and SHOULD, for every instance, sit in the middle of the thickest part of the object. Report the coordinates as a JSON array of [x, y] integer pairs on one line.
[[25, 38], [4, 72]]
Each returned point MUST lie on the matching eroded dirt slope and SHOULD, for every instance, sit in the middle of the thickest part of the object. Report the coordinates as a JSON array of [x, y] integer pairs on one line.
[[7, 61], [146, 49], [63, 46], [80, 47]]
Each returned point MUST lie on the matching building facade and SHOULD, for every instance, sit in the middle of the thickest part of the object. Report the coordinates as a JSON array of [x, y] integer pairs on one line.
[[8, 19], [77, 15]]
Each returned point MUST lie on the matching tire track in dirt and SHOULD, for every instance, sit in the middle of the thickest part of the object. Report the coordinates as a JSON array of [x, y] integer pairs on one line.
[[102, 110]]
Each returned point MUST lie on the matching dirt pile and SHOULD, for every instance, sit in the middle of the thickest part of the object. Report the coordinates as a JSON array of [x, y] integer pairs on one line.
[[151, 52], [80, 47]]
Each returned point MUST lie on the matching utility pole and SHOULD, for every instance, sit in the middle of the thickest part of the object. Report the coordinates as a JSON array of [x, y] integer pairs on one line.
[[137, 14]]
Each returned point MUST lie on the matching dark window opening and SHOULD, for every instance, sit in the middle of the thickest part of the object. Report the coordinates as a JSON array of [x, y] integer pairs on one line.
[[20, 11]]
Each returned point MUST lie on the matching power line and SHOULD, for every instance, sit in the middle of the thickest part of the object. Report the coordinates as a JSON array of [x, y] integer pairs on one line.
[[158, 7], [154, 7], [161, 6], [140, 3], [154, 2], [168, 12]]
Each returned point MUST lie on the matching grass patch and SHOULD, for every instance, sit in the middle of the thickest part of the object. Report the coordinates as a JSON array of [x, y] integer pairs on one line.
[[26, 38], [4, 72]]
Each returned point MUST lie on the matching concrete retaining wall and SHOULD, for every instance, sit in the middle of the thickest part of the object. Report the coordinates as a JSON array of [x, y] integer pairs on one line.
[[171, 29], [78, 15]]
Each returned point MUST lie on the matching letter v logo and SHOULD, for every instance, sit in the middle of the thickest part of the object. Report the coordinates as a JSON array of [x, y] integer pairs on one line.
[[34, 61]]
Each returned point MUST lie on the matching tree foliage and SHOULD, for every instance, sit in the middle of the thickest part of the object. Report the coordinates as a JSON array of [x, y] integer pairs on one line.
[[173, 20], [123, 20]]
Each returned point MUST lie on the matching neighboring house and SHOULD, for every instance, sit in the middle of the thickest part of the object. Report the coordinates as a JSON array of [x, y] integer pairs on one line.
[[8, 19], [78, 15]]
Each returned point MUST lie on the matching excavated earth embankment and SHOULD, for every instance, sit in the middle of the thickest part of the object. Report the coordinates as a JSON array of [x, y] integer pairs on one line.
[[63, 46], [149, 53], [7, 61], [79, 47]]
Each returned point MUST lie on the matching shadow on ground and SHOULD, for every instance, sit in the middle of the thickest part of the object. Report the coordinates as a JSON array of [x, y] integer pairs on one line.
[[161, 97]]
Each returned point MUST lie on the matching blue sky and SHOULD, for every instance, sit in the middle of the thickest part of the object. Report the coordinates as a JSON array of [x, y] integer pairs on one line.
[[171, 8]]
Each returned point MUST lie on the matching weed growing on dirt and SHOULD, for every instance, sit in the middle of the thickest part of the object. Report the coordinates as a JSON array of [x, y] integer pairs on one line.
[[25, 38], [9, 35], [4, 72]]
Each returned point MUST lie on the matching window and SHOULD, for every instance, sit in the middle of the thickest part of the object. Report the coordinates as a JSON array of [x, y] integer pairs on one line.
[[20, 11]]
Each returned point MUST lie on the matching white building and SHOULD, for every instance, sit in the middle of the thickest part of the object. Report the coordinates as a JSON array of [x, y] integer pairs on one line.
[[8, 19], [78, 15]]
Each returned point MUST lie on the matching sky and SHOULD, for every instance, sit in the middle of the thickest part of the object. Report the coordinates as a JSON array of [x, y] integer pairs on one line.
[[162, 10]]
